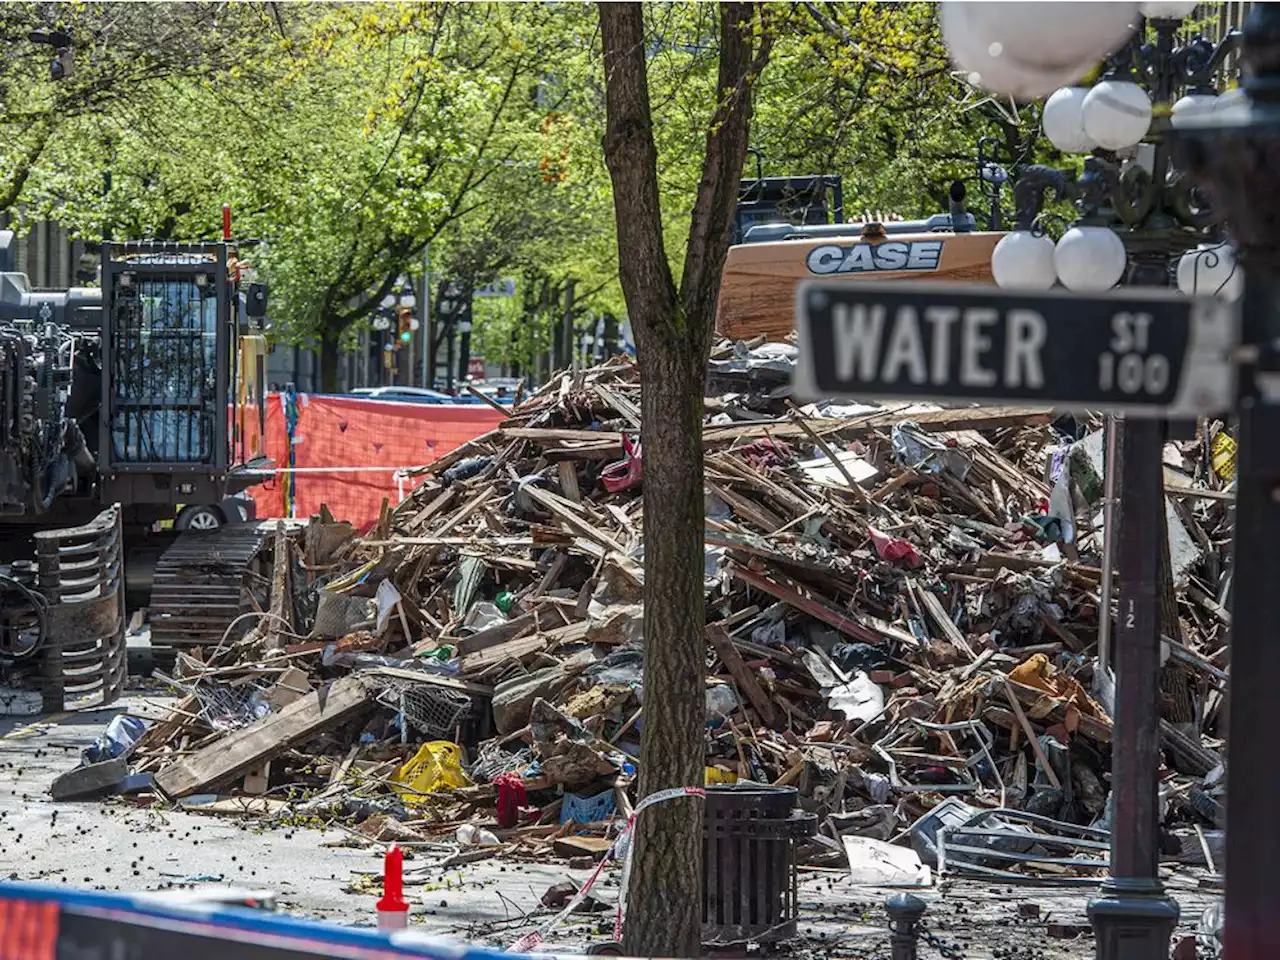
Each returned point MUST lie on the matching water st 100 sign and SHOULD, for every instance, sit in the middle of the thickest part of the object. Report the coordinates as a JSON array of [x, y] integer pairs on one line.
[[1137, 350]]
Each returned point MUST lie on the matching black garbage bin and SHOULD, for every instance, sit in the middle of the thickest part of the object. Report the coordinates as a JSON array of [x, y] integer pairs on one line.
[[749, 868]]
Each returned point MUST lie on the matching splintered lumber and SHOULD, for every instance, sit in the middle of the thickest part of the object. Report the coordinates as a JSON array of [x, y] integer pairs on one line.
[[742, 676], [501, 633], [562, 509], [786, 590], [279, 590], [1043, 704], [933, 607], [1031, 737], [238, 752]]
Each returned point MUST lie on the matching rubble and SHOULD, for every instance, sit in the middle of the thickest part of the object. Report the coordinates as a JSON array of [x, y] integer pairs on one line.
[[902, 608]]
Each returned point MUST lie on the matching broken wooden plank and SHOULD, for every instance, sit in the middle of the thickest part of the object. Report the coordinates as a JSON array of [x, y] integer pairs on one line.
[[1046, 705], [562, 509], [278, 622], [495, 635], [1031, 737], [264, 739], [742, 676], [933, 607], [569, 480], [786, 590]]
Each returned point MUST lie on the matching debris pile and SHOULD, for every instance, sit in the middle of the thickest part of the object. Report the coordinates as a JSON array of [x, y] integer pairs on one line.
[[903, 622]]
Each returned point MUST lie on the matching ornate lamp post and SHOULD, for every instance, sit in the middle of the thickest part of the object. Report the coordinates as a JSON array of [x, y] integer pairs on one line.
[[1142, 221], [1238, 160]]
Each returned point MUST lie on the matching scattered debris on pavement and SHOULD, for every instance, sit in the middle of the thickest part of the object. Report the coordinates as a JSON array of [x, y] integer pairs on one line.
[[902, 623]]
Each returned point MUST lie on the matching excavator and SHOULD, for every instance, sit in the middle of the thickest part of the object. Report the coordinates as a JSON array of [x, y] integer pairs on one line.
[[783, 236], [125, 408]]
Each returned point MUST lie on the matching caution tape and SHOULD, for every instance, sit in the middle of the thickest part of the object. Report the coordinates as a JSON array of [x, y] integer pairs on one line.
[[619, 849], [412, 468]]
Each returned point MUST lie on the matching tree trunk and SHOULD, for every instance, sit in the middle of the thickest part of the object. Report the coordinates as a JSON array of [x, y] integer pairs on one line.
[[673, 337], [610, 336], [329, 357], [664, 901]]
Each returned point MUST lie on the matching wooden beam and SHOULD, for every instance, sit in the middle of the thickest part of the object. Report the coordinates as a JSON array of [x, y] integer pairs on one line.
[[1031, 736], [278, 620], [501, 633], [742, 676], [275, 733], [788, 592]]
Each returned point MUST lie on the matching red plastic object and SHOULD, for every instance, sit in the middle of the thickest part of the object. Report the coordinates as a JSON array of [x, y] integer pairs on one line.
[[511, 797], [627, 472], [226, 221], [393, 910], [895, 548]]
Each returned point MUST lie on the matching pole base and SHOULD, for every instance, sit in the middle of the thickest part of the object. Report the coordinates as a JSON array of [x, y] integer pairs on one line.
[[1132, 919]]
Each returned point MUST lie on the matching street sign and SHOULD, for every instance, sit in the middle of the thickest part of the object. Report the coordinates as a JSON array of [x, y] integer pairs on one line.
[[1143, 351], [506, 287]]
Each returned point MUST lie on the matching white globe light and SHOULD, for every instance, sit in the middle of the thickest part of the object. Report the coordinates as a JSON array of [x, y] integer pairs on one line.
[[1001, 45], [1117, 114], [1023, 261], [1089, 259], [1168, 9], [1193, 105], [1232, 106], [1063, 120], [1211, 270]]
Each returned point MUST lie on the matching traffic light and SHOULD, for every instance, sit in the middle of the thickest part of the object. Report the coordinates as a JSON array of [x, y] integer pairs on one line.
[[405, 325]]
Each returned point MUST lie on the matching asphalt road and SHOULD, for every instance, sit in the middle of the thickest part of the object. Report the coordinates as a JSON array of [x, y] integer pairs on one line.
[[115, 845]]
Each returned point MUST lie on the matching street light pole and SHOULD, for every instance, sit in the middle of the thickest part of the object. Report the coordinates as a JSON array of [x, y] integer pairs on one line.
[[1239, 162], [1136, 219]]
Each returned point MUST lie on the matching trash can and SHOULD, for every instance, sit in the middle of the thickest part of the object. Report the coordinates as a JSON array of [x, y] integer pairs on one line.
[[749, 867]]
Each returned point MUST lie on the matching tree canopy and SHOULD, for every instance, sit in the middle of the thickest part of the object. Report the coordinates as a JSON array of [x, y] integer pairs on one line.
[[347, 137]]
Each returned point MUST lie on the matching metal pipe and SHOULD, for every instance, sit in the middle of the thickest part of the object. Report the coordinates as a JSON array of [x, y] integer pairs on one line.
[[424, 315], [1105, 614]]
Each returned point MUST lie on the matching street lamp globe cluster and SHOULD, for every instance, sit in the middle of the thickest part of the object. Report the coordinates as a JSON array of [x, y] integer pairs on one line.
[[1130, 206], [1139, 220]]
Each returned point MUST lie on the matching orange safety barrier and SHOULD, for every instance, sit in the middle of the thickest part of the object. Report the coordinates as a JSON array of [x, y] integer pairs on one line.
[[346, 451]]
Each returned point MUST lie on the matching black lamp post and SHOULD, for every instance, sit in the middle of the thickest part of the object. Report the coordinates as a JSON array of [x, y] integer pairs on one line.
[[1239, 163], [1136, 218]]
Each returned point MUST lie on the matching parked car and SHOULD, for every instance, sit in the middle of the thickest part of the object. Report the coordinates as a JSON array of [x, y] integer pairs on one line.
[[411, 394]]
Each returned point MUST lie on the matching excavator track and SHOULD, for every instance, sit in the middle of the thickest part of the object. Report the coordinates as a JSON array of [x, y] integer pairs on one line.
[[204, 581]]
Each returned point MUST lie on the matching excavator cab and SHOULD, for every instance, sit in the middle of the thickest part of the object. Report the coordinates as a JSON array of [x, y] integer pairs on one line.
[[175, 386]]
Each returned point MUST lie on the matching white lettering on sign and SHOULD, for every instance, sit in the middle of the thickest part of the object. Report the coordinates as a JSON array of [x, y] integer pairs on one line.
[[922, 255], [1127, 366], [940, 319], [974, 344], [921, 354], [857, 336], [1022, 343], [906, 349]]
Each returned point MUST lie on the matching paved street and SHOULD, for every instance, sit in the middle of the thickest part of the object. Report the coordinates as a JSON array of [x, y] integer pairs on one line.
[[116, 846]]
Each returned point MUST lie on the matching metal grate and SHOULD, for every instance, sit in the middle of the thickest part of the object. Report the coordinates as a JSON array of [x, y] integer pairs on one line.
[[164, 359], [436, 712]]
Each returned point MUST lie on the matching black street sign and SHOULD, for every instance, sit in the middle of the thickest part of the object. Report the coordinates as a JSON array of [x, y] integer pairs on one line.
[[1142, 351]]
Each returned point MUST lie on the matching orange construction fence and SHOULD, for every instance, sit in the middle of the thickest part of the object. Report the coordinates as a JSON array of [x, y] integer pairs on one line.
[[348, 453]]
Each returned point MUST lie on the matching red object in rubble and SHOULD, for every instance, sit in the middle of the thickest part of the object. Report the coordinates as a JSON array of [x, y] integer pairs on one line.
[[511, 797], [393, 910], [895, 548], [627, 472]]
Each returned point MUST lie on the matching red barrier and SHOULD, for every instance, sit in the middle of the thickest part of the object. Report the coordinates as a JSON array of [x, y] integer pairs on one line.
[[346, 451]]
